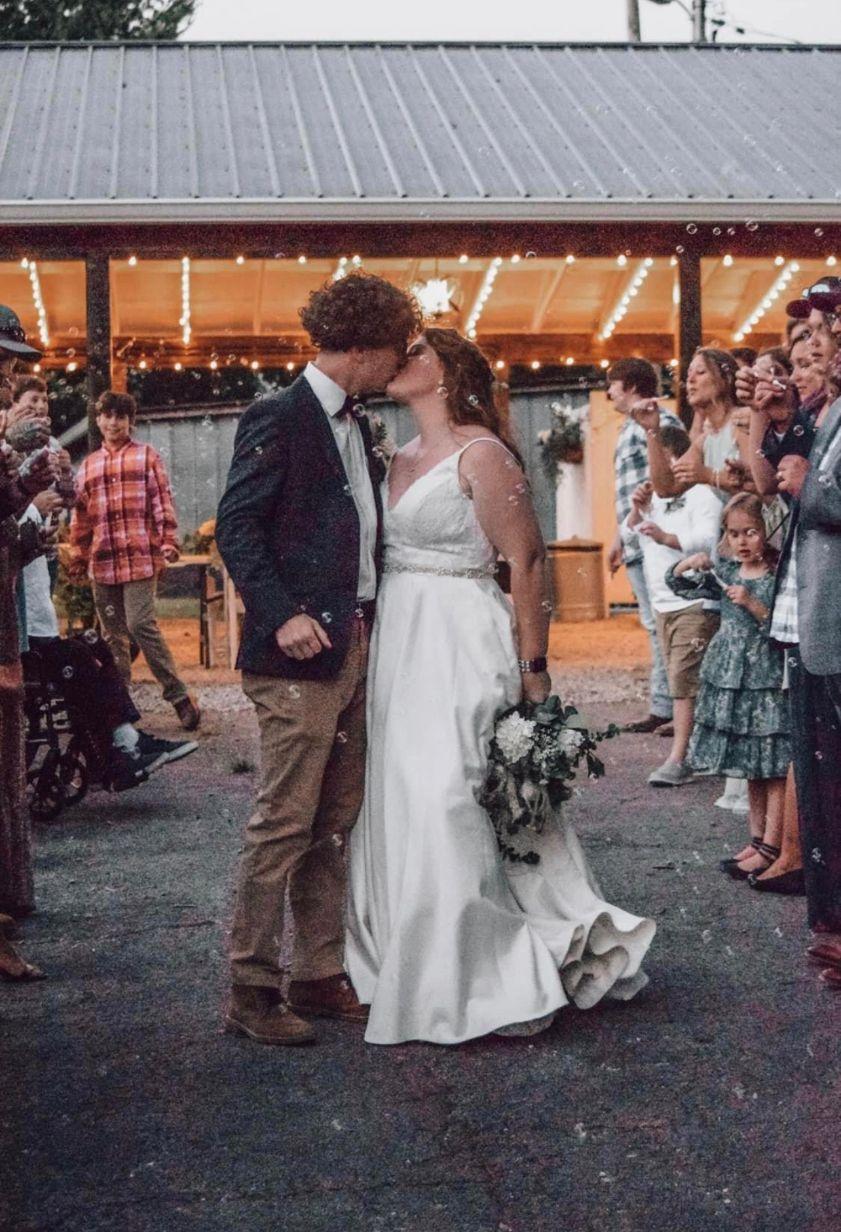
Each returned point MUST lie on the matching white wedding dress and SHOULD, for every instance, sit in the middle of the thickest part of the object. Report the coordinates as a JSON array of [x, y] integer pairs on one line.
[[446, 941]]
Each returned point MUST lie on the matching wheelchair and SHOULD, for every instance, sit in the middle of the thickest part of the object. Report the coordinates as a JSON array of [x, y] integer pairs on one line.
[[61, 759]]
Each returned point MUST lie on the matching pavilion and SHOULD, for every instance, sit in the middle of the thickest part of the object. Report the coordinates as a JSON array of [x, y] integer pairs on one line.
[[169, 206]]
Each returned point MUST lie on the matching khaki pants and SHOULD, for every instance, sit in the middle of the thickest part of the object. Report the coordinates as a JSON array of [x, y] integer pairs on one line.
[[312, 747], [127, 611]]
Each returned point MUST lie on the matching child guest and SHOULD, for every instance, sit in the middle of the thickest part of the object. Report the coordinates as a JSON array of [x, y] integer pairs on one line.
[[670, 528], [741, 719], [123, 533]]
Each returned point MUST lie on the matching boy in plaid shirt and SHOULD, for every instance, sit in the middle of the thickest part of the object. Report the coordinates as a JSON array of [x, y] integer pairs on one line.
[[122, 535]]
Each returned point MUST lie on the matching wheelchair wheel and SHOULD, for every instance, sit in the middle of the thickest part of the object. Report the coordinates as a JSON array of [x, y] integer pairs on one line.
[[73, 773], [45, 790]]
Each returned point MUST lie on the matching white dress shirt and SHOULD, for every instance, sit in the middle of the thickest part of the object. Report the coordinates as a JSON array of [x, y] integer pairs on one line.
[[695, 520], [352, 450]]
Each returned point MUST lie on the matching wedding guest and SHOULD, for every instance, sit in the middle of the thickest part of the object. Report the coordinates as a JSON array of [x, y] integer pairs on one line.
[[629, 381], [744, 356], [123, 534], [713, 455], [741, 724], [807, 620], [85, 674], [17, 487], [668, 529]]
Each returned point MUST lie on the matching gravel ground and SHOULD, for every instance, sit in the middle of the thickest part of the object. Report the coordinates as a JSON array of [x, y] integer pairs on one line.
[[710, 1102]]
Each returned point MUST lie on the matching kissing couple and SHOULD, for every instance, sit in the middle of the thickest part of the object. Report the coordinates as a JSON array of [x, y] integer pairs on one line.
[[378, 650]]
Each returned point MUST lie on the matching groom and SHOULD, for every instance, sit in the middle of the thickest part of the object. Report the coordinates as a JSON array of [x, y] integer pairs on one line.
[[299, 529]]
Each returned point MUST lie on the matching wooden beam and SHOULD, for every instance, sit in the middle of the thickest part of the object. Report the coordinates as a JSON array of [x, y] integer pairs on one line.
[[690, 334], [549, 292], [98, 342]]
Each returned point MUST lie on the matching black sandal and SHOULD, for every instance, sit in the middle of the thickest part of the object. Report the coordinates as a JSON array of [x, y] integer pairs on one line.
[[731, 862], [768, 853]]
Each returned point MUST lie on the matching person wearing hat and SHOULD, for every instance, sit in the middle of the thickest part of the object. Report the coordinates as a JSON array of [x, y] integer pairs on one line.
[[806, 619], [17, 487]]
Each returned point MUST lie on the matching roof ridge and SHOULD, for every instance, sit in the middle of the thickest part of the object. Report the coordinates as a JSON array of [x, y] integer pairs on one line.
[[618, 45]]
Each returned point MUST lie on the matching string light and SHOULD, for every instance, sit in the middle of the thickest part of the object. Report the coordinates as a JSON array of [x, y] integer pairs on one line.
[[484, 295], [341, 269], [727, 260], [604, 363], [779, 260], [38, 300], [631, 291], [780, 283], [569, 361], [290, 367], [240, 260], [254, 365], [832, 261], [132, 260], [570, 259], [535, 364], [515, 260], [186, 327], [36, 367], [499, 365], [178, 366], [142, 364], [214, 364], [72, 366], [302, 260], [463, 259]]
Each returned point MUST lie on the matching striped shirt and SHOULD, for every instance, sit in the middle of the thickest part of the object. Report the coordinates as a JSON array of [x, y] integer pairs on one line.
[[124, 514], [784, 627]]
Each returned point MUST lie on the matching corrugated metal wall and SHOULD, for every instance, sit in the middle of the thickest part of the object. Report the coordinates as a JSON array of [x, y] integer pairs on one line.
[[198, 448]]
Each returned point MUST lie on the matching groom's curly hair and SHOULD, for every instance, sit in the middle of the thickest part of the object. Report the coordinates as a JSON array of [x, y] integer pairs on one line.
[[361, 310]]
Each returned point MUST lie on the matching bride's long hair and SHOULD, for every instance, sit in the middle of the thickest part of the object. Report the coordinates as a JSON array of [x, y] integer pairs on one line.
[[470, 384]]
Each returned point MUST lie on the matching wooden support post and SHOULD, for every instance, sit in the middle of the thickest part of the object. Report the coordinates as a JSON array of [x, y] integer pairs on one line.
[[98, 300], [689, 321]]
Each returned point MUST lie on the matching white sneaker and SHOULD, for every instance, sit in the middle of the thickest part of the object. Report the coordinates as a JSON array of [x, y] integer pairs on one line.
[[670, 774], [735, 796]]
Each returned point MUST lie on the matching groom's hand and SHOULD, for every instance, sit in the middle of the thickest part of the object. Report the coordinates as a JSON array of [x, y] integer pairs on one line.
[[302, 637]]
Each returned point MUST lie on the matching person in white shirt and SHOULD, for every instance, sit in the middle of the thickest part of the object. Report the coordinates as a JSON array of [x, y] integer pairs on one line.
[[668, 529]]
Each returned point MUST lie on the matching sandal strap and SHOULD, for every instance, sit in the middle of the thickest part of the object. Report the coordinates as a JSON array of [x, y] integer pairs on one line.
[[767, 850], [756, 842]]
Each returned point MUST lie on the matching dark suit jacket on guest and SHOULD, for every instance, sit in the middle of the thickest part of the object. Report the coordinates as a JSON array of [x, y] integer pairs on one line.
[[288, 530], [816, 520]]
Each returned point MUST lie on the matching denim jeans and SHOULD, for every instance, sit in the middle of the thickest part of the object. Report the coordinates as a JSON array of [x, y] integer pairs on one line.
[[661, 702]]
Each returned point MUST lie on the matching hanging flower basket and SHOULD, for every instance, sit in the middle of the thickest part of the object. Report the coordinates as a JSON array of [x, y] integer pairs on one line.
[[564, 441]]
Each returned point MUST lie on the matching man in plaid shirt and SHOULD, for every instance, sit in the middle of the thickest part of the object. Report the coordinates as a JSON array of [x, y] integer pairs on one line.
[[628, 382], [122, 535]]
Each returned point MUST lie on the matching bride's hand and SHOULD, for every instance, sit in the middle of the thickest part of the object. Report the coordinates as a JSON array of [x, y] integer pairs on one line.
[[536, 686]]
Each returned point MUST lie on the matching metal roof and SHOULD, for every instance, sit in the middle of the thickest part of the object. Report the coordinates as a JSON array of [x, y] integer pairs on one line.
[[357, 132]]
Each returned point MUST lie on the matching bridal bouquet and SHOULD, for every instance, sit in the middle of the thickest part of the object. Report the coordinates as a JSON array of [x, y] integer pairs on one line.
[[534, 756]]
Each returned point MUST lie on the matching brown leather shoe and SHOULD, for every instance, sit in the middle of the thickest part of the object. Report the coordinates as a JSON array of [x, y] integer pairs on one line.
[[651, 724], [188, 713], [825, 953], [666, 729], [831, 976], [260, 1014], [332, 997]]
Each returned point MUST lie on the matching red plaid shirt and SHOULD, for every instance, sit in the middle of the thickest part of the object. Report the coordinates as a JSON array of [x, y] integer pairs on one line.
[[124, 514]]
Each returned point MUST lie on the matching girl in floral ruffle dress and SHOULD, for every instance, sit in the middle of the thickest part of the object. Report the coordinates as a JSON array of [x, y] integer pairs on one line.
[[741, 715]]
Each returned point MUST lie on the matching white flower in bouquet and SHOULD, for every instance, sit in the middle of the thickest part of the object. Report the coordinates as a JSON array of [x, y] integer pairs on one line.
[[515, 736], [570, 741]]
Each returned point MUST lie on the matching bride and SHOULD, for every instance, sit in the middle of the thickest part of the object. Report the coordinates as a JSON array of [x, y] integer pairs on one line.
[[445, 941]]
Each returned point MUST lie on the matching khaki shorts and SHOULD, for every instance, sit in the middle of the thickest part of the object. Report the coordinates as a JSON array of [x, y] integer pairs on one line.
[[684, 636]]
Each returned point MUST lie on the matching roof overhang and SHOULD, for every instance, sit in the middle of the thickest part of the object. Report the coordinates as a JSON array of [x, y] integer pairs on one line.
[[352, 210]]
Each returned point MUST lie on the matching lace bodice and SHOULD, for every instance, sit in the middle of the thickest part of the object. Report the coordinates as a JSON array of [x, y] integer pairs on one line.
[[434, 527]]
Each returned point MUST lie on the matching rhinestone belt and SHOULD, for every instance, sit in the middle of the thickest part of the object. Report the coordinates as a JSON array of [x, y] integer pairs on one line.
[[481, 572]]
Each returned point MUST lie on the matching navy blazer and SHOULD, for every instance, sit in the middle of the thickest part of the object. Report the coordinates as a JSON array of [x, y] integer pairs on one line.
[[288, 530]]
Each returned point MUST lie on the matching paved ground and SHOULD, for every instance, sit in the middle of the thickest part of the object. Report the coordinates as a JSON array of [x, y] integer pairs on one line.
[[710, 1102]]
